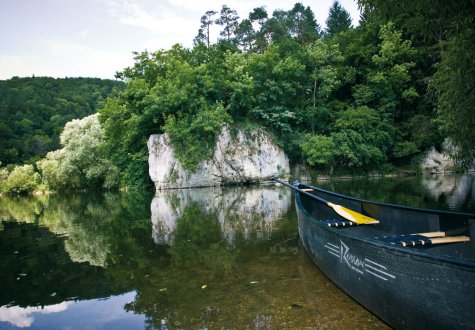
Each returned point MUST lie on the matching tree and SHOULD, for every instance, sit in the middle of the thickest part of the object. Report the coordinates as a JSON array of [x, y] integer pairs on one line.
[[204, 31], [454, 84], [276, 28], [338, 20], [318, 150], [33, 112], [259, 15], [302, 24], [278, 78], [245, 35], [21, 180], [81, 163], [389, 83], [450, 25], [228, 19], [362, 138], [324, 60], [194, 136], [3, 178]]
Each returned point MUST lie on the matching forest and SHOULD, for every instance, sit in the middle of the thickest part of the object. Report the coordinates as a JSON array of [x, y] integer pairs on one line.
[[33, 112], [340, 99]]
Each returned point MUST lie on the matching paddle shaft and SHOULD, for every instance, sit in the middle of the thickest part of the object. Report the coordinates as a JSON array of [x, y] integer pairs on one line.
[[342, 211], [301, 191]]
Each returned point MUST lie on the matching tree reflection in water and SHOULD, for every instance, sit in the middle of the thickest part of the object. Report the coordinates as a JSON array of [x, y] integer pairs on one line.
[[202, 258]]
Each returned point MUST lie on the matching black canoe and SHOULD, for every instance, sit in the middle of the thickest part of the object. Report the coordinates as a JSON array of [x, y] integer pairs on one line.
[[430, 286]]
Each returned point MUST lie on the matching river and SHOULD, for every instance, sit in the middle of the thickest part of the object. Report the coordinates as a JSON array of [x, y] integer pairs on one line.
[[206, 258]]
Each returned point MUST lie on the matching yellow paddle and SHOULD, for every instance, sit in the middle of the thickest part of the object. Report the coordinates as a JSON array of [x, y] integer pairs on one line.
[[351, 215], [340, 210]]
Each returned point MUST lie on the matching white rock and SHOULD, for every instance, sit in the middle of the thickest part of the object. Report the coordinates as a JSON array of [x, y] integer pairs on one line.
[[239, 158], [436, 162]]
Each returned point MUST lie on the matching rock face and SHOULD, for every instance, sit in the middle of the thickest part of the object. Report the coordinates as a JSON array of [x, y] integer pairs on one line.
[[441, 162], [237, 158], [436, 162]]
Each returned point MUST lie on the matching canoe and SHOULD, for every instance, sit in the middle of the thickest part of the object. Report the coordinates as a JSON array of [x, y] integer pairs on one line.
[[413, 268]]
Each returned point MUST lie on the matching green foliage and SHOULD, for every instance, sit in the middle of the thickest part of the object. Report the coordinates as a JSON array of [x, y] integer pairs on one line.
[[354, 152], [21, 180], [423, 131], [302, 24], [319, 150], [279, 80], [81, 163], [51, 171], [454, 84], [405, 149], [362, 138], [3, 178], [33, 112], [339, 20], [194, 137], [391, 81], [204, 31], [188, 83], [228, 19], [324, 60], [445, 32], [361, 95]]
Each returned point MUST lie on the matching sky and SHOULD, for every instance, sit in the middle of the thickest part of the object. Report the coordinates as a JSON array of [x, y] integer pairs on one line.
[[96, 38]]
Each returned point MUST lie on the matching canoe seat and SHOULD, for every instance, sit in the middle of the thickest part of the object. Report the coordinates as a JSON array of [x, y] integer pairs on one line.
[[422, 239]]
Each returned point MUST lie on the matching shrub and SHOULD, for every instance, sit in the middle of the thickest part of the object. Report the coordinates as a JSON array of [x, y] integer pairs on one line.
[[22, 180], [319, 150], [3, 178], [193, 137]]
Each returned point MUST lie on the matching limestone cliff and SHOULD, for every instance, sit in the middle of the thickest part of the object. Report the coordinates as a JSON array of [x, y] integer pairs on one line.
[[237, 158], [437, 162], [441, 162]]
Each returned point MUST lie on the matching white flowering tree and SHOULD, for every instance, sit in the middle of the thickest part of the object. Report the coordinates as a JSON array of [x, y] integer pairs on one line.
[[81, 163]]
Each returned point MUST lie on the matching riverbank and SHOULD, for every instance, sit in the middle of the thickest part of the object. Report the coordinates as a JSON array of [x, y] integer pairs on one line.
[[303, 175]]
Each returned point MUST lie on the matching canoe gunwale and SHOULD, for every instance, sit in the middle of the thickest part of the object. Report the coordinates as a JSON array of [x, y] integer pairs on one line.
[[421, 254], [397, 206]]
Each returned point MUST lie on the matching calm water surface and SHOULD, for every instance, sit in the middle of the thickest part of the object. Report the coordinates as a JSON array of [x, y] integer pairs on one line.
[[205, 258]]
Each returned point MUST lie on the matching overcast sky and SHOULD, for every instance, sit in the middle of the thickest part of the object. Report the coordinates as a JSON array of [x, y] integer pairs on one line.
[[96, 38]]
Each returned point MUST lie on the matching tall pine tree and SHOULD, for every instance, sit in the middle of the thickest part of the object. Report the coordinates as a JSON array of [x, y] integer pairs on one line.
[[338, 20], [203, 32]]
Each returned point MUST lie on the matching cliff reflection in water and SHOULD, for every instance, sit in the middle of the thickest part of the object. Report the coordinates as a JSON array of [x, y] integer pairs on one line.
[[455, 190], [243, 211], [215, 258]]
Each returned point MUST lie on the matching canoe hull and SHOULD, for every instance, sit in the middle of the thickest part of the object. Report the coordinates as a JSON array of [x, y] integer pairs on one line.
[[405, 290]]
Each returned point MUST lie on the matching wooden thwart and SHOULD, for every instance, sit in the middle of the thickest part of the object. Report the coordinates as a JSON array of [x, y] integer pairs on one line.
[[448, 239], [432, 234]]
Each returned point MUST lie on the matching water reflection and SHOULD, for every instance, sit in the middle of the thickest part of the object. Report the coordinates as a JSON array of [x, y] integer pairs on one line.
[[183, 259], [454, 192], [245, 210], [23, 317], [90, 314]]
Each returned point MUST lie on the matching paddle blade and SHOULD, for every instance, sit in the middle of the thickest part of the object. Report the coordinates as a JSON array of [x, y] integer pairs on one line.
[[352, 215]]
